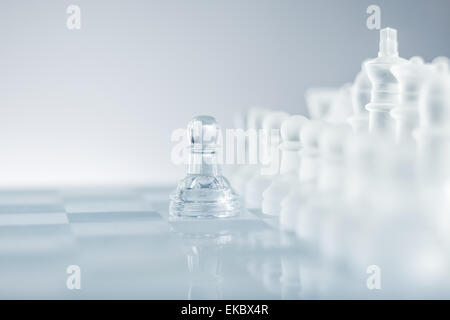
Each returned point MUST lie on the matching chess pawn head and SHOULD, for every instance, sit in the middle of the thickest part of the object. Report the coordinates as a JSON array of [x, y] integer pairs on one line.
[[341, 107], [255, 118], [290, 131], [442, 64], [332, 141], [271, 134], [410, 76], [290, 145], [319, 101], [309, 138], [310, 134], [332, 149], [204, 192]]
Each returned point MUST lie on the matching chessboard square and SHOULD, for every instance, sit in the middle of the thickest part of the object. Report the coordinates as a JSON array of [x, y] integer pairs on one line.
[[30, 208], [112, 216], [33, 219], [121, 228], [29, 197], [107, 205]]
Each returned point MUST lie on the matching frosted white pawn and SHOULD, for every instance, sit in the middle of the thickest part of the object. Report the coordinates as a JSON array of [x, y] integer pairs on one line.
[[269, 159], [290, 161], [412, 77], [441, 64], [433, 134], [309, 164], [305, 222], [360, 96], [319, 101], [245, 172], [204, 192], [341, 106], [332, 147], [385, 90]]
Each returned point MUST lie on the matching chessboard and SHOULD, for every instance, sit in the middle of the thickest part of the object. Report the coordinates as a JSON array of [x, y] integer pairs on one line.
[[122, 244]]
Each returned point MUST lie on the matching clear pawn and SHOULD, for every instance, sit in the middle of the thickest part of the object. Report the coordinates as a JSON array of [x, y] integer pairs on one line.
[[204, 192]]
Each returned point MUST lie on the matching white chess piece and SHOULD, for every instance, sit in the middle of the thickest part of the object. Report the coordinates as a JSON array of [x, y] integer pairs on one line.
[[269, 158], [332, 143], [411, 76], [385, 91], [319, 101], [290, 161], [341, 106], [360, 95], [433, 134], [245, 172], [305, 224]]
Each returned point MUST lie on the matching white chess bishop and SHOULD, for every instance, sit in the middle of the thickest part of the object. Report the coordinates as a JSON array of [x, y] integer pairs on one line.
[[360, 96], [270, 159], [290, 161], [204, 192], [385, 89]]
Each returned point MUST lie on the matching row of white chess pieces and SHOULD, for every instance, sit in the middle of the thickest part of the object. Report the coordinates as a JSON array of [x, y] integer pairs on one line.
[[365, 180]]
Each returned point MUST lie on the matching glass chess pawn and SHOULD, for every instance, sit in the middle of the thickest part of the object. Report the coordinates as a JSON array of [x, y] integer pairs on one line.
[[204, 192]]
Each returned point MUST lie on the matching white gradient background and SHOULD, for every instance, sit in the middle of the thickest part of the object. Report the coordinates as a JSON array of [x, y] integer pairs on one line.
[[98, 105]]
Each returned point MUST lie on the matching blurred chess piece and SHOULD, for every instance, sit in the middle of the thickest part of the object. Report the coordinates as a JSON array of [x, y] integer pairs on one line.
[[306, 226], [360, 96], [341, 105], [269, 157], [433, 133], [412, 77], [385, 90], [319, 102], [290, 161]]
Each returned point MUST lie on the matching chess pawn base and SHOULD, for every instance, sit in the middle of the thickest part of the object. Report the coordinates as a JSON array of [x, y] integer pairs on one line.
[[203, 196]]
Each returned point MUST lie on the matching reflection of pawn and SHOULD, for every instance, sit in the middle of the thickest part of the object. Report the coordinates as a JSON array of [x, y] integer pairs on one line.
[[360, 94], [204, 268], [290, 161], [411, 77], [262, 179], [204, 192], [384, 96]]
